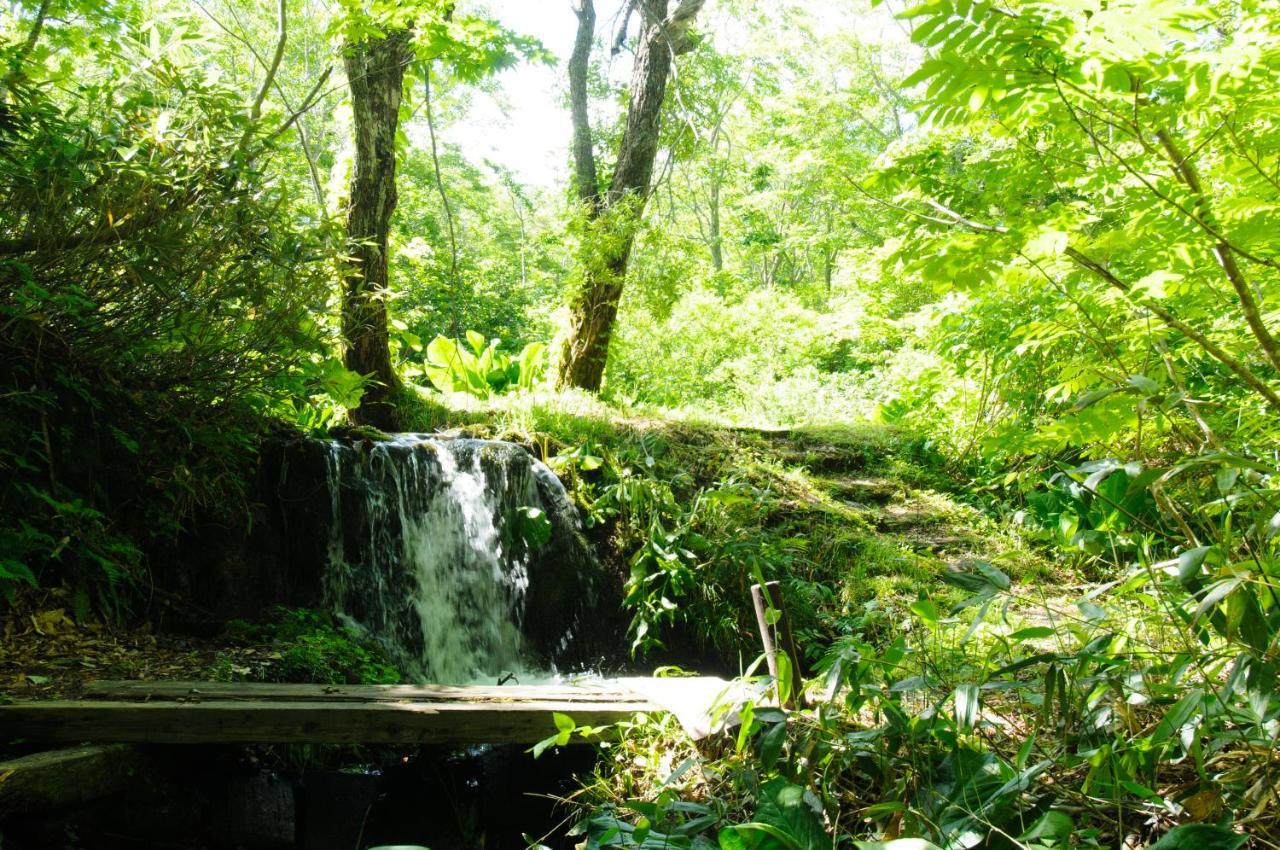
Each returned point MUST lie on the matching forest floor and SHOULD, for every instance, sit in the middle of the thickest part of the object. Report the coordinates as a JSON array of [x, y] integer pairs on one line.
[[47, 653]]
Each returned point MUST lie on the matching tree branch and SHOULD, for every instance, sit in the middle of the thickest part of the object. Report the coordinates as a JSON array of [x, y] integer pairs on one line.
[[255, 112], [621, 38], [1213, 349], [33, 37], [313, 97], [1186, 171], [1240, 369], [295, 114], [435, 163], [676, 26], [1135, 133]]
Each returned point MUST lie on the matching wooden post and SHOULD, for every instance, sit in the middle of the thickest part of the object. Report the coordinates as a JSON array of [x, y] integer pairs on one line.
[[783, 626]]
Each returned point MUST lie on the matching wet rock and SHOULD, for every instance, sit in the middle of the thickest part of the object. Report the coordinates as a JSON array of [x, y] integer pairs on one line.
[[464, 557]]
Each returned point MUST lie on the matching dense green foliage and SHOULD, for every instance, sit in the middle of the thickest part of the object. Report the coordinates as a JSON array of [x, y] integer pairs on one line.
[[482, 368], [959, 320], [159, 298]]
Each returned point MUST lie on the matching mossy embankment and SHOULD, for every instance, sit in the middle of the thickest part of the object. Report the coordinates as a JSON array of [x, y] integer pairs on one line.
[[856, 521]]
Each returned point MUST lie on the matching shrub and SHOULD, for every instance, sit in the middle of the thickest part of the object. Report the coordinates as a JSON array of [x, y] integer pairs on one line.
[[310, 647], [485, 369], [155, 294]]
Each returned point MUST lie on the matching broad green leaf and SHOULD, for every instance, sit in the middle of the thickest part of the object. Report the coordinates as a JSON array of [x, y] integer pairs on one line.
[[1200, 836], [966, 706], [926, 610]]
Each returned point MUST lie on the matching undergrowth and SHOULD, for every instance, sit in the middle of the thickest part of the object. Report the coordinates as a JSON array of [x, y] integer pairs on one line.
[[308, 646], [971, 682], [691, 513]]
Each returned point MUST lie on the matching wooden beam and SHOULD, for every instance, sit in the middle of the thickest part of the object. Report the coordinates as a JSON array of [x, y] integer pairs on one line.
[[46, 781], [202, 691], [303, 721]]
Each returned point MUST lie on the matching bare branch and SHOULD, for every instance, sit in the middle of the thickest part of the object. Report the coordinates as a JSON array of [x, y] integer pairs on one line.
[[255, 112], [313, 97], [621, 38], [966, 222], [435, 164]]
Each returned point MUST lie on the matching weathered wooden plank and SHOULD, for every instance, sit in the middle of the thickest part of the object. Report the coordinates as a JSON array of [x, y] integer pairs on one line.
[[592, 692], [280, 721], [45, 781]]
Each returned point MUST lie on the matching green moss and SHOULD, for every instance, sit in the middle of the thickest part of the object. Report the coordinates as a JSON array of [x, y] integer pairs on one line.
[[304, 645], [422, 410], [359, 432]]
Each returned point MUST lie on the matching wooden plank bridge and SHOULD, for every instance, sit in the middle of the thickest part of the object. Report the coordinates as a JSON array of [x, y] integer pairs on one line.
[[236, 712]]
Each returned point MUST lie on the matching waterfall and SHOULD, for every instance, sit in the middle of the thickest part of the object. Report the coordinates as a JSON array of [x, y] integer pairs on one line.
[[437, 548]]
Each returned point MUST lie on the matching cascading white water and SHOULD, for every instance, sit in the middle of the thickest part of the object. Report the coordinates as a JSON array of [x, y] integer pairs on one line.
[[427, 555]]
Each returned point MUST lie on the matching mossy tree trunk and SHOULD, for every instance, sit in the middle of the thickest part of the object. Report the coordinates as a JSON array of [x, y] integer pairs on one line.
[[615, 212], [375, 74]]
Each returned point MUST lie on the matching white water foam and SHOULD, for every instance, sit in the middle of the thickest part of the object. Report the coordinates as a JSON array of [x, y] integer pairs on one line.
[[423, 557]]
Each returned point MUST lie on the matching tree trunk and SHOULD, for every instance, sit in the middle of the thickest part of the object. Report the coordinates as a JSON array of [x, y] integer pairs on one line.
[[595, 307], [584, 158], [375, 72], [717, 241], [594, 312]]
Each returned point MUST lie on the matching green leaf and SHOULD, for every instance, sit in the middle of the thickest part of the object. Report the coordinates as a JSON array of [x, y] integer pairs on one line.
[[746, 718], [750, 835], [995, 576], [641, 831], [771, 743], [1032, 633], [1217, 592], [785, 808], [1051, 826], [926, 610], [1190, 563], [785, 681], [1200, 836], [1178, 715], [539, 748], [732, 838], [15, 571], [533, 526], [966, 706], [1144, 385]]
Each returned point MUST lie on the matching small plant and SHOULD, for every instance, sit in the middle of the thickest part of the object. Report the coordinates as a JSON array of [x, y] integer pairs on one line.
[[310, 647], [482, 368]]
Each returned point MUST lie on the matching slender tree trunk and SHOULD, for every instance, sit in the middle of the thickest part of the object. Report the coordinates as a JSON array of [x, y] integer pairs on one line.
[[713, 216], [594, 308], [375, 72], [586, 177]]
